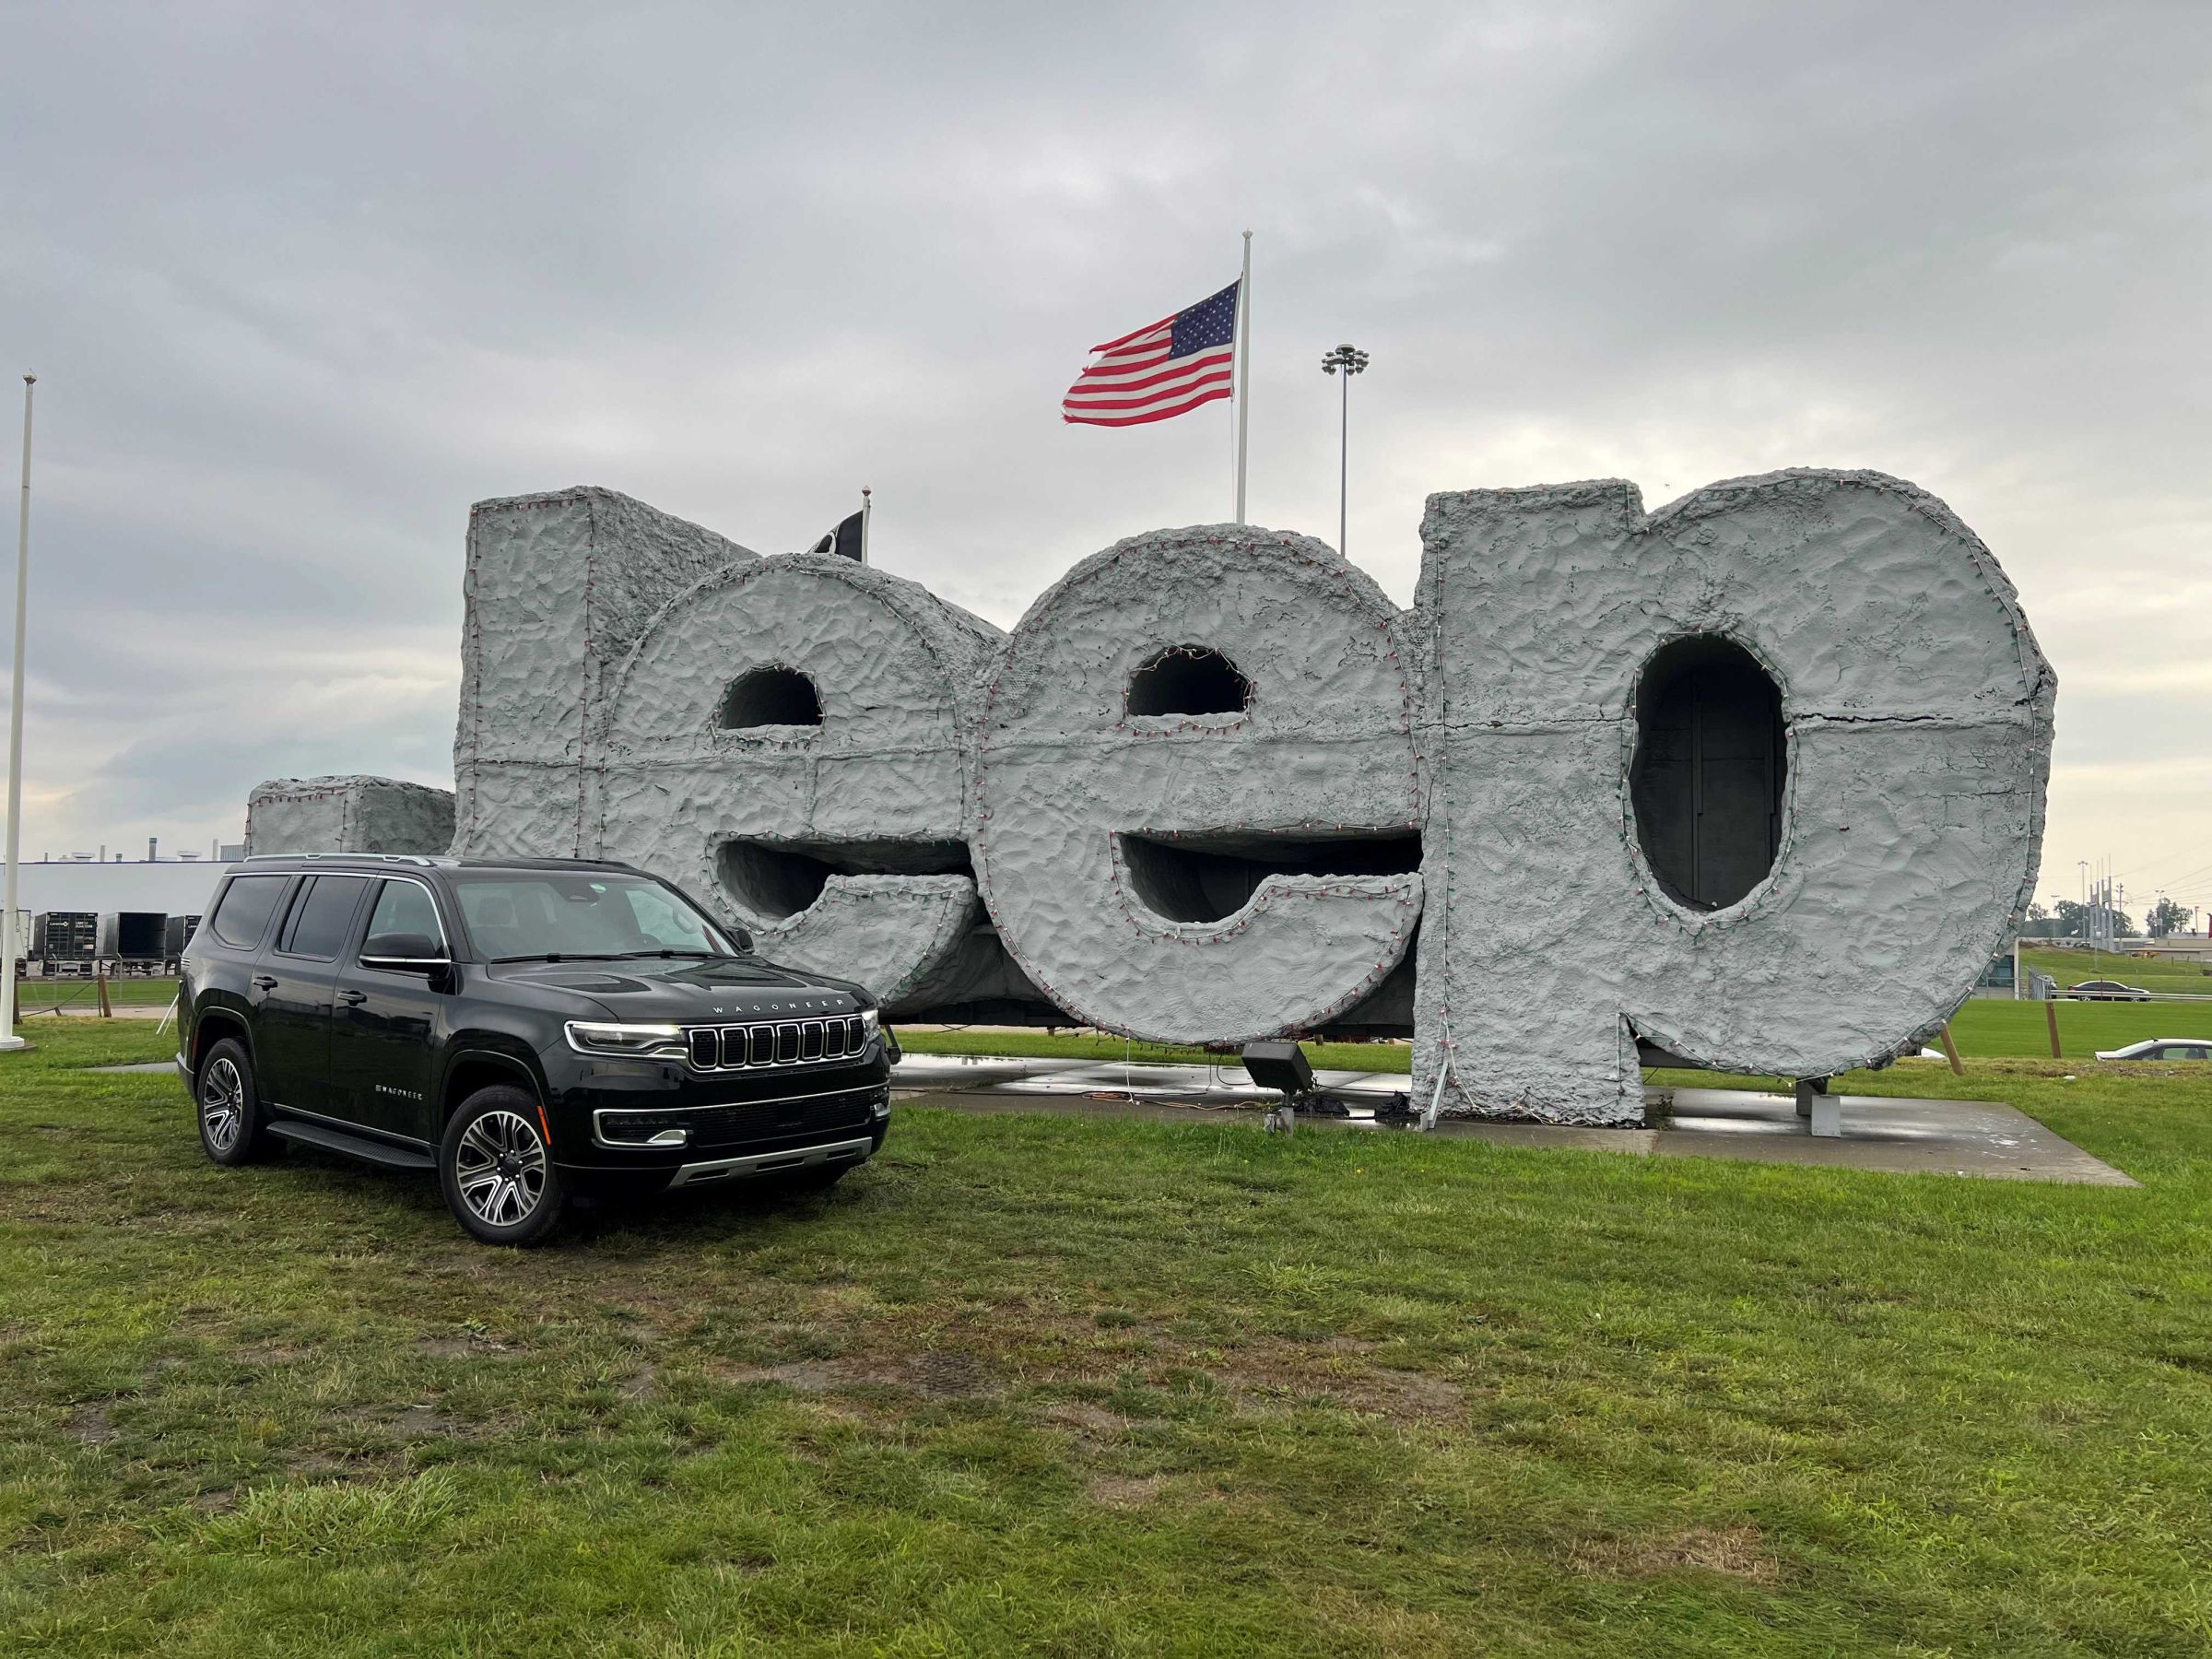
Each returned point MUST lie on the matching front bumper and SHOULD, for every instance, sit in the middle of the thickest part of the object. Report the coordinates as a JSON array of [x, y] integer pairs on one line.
[[609, 1175], [635, 1126], [777, 1163]]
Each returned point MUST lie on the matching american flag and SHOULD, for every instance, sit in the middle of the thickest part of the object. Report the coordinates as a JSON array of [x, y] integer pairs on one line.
[[1164, 369]]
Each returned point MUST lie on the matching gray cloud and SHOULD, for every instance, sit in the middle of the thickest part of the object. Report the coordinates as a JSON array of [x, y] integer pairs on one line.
[[304, 282]]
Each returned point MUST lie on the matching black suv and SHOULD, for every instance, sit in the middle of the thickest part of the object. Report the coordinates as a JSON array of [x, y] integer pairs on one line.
[[532, 1029]]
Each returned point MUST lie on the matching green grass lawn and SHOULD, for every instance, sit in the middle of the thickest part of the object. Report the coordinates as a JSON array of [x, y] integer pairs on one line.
[[2150, 973], [78, 994], [1030, 1384], [1985, 1028]]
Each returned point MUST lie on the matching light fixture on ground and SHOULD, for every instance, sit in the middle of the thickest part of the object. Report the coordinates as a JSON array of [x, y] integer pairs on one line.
[[1347, 360], [1282, 1066]]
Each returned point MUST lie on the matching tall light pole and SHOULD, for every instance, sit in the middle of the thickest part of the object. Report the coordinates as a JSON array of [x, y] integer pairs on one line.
[[1347, 360], [9, 944]]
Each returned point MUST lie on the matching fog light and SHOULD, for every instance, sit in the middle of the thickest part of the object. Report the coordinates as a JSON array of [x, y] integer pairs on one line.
[[671, 1137]]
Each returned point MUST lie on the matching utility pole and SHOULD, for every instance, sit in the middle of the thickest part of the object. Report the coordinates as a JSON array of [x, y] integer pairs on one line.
[[9, 944], [1348, 361]]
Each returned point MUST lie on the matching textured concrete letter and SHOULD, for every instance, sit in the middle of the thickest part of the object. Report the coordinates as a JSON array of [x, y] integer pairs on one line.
[[557, 589], [347, 815], [787, 742], [1197, 797], [1915, 713]]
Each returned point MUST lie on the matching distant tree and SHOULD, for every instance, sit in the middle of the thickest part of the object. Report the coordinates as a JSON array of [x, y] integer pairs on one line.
[[2074, 920], [2166, 917]]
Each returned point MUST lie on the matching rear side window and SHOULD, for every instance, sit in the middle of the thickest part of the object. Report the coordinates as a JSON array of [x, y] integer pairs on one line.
[[242, 914], [320, 916]]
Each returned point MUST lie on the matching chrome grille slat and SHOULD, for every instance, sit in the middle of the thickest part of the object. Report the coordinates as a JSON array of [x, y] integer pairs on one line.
[[781, 1043]]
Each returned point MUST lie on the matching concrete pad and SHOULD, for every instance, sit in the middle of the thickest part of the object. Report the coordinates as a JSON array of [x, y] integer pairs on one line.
[[1982, 1138]]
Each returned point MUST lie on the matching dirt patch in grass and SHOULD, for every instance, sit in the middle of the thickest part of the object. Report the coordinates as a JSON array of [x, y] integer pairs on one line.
[[1123, 1491], [89, 1425], [1738, 1552], [1267, 1375], [942, 1372], [808, 1376], [1092, 1422], [418, 1420]]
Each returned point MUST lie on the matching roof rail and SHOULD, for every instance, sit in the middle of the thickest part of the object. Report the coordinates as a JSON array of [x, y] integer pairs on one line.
[[421, 860]]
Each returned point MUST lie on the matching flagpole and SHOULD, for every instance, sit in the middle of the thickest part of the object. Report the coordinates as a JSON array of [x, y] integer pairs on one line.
[[9, 945], [1243, 368]]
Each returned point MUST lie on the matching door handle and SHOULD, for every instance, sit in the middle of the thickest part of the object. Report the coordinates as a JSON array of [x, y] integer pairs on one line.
[[265, 982], [353, 999]]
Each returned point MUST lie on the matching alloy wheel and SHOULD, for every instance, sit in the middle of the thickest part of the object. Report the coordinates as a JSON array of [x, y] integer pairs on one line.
[[499, 1167], [222, 1105]]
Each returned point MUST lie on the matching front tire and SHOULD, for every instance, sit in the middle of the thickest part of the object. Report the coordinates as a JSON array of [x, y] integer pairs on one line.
[[233, 1129], [497, 1169]]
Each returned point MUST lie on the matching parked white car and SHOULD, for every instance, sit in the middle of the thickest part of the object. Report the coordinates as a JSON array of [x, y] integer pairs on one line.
[[2162, 1048]]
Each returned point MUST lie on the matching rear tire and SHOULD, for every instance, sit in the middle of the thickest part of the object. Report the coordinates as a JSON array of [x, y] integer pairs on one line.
[[233, 1129], [497, 1169]]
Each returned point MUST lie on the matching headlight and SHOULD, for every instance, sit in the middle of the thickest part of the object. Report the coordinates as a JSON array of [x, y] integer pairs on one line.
[[869, 1020], [648, 1042]]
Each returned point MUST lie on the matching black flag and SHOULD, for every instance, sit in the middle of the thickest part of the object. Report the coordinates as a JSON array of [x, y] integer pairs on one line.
[[844, 541]]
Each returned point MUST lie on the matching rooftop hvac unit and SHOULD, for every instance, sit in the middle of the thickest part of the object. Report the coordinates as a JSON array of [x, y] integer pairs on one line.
[[64, 936], [178, 934], [131, 935]]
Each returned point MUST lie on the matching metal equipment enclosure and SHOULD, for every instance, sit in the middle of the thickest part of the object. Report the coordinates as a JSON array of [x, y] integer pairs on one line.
[[131, 935], [64, 936]]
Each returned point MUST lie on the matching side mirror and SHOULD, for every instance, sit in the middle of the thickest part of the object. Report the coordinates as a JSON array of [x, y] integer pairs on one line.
[[745, 940], [403, 953]]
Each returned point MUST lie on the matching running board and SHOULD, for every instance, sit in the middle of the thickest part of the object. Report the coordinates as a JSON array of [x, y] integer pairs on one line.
[[353, 1146]]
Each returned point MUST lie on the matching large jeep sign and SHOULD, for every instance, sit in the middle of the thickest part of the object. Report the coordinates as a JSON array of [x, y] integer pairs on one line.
[[1757, 780]]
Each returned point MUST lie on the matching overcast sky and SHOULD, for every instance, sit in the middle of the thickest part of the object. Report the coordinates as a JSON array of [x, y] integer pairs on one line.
[[303, 281]]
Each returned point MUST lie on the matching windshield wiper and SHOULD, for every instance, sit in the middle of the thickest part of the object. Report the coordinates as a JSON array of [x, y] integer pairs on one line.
[[562, 956], [711, 956]]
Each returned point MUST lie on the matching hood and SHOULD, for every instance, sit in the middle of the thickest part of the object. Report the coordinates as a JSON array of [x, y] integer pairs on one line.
[[689, 992]]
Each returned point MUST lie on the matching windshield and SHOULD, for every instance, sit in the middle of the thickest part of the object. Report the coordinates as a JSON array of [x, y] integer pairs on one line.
[[528, 914]]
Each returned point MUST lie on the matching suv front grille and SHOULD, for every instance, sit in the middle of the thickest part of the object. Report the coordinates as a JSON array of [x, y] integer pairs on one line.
[[775, 1042]]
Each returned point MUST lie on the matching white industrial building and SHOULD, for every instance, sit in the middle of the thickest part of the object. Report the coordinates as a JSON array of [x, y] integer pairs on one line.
[[176, 886]]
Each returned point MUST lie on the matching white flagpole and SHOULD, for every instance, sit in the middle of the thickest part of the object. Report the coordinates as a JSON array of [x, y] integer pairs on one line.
[[9, 945], [868, 506], [1243, 368]]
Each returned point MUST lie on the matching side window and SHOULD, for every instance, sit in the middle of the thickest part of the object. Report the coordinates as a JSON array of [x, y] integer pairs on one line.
[[403, 923], [242, 914], [316, 926]]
